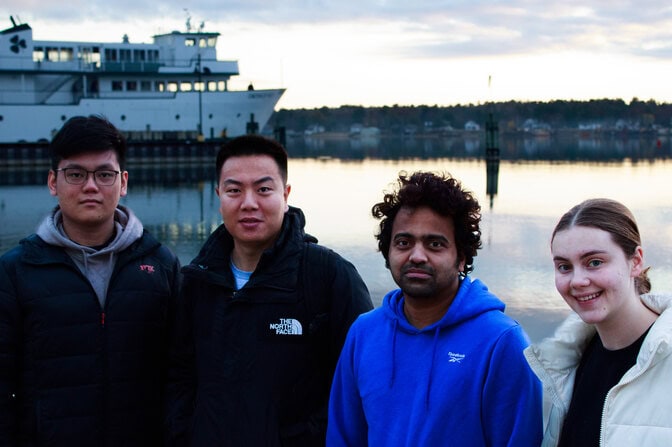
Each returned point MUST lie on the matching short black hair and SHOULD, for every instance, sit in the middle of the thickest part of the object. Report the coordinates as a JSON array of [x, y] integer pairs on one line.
[[246, 145], [83, 134], [444, 195]]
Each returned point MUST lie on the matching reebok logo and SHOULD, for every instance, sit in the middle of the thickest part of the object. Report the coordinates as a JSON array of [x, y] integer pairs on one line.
[[455, 357], [287, 326]]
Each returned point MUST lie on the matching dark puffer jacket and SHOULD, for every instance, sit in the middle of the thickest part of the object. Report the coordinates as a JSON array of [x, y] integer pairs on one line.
[[71, 373], [253, 367]]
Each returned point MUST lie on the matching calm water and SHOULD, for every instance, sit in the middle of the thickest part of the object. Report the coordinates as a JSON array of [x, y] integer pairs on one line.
[[179, 206]]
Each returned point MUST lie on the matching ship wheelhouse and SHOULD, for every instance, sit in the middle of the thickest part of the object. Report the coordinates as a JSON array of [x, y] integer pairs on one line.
[[51, 72]]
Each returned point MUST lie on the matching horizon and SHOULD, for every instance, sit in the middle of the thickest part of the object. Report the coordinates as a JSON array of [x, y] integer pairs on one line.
[[386, 52], [626, 102]]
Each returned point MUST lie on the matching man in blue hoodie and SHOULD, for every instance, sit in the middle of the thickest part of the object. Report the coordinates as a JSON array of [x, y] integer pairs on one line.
[[439, 363]]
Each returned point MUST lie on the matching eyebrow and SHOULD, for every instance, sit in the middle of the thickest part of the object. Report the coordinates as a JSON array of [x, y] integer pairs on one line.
[[230, 181], [583, 255], [99, 167], [422, 237]]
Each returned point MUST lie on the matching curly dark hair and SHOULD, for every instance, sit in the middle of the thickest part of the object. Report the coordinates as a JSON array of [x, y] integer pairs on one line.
[[444, 195]]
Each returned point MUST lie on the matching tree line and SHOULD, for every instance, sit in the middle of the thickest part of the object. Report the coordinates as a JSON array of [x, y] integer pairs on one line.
[[510, 115]]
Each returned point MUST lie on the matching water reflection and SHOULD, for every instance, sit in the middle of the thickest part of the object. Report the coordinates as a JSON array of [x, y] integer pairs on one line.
[[337, 182], [563, 146]]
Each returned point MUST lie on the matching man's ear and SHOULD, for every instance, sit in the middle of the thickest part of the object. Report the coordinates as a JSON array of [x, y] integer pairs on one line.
[[51, 182]]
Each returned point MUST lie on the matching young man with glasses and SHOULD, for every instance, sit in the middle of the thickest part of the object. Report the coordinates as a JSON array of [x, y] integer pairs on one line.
[[85, 305]]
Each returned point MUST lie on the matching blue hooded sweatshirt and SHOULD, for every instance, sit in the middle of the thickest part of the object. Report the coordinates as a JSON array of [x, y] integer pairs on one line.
[[462, 381]]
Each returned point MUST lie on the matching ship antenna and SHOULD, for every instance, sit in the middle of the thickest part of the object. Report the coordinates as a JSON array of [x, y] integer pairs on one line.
[[188, 20], [12, 19]]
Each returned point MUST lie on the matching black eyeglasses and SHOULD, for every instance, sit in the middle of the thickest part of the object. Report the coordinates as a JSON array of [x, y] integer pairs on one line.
[[78, 176]]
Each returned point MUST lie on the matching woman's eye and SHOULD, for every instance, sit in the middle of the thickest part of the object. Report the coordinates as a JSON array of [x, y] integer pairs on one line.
[[595, 263]]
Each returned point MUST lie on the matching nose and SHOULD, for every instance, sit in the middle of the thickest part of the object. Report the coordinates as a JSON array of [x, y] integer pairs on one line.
[[417, 254], [249, 200], [579, 278], [90, 181]]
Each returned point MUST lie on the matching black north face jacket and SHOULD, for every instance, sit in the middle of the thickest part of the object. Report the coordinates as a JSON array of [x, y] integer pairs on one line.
[[253, 367]]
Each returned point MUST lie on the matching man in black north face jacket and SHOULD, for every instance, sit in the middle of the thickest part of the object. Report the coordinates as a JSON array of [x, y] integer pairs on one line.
[[262, 318]]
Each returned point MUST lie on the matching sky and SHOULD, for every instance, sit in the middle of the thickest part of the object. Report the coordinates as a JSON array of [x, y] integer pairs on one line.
[[394, 52]]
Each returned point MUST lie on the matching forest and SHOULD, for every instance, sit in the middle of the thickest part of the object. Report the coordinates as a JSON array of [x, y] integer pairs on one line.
[[511, 116]]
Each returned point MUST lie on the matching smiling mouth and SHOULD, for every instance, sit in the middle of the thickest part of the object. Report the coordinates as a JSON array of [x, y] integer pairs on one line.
[[592, 296]]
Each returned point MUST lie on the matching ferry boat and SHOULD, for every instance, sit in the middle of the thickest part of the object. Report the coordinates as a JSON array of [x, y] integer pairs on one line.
[[172, 88]]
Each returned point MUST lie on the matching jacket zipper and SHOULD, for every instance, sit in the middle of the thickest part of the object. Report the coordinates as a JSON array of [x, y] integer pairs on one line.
[[641, 371]]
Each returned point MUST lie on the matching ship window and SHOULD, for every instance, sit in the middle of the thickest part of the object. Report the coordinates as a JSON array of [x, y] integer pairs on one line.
[[124, 55], [186, 86], [117, 86], [189, 42], [172, 86], [159, 86], [198, 86], [95, 56], [131, 86], [38, 54], [139, 55], [145, 86], [153, 55], [52, 54], [212, 42], [202, 42], [85, 54], [66, 55], [110, 54], [221, 86], [212, 86]]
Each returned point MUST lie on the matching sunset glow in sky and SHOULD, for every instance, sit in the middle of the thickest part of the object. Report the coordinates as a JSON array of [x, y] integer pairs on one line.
[[387, 52]]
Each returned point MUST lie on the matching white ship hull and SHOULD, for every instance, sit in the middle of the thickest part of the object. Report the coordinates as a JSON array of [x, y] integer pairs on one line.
[[222, 114]]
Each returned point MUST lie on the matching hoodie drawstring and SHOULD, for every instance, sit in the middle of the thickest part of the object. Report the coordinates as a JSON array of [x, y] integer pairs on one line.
[[394, 350], [431, 366]]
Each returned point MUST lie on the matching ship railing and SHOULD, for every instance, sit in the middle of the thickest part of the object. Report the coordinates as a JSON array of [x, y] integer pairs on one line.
[[130, 67]]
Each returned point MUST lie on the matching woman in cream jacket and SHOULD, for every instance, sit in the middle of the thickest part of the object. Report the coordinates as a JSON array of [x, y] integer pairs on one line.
[[607, 371]]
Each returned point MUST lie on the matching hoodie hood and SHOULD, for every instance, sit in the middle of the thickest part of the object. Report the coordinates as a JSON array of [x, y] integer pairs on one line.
[[96, 265], [473, 298]]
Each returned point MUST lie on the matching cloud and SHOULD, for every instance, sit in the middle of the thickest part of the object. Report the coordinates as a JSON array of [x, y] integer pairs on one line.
[[432, 28], [394, 51]]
